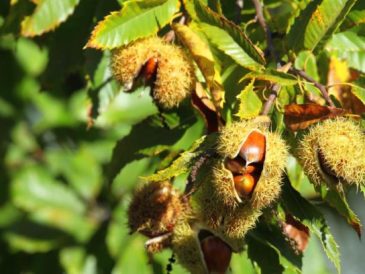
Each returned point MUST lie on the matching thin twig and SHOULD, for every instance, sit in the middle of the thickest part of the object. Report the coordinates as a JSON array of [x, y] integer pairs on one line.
[[270, 101], [239, 7], [318, 85], [264, 26], [275, 87]]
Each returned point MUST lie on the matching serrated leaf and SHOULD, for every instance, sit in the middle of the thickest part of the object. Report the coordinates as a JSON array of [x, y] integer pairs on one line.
[[249, 103], [349, 46], [204, 59], [310, 216], [223, 41], [144, 138], [210, 17], [274, 76], [137, 19], [185, 161], [273, 236], [339, 202], [317, 23], [47, 16], [358, 91], [264, 255]]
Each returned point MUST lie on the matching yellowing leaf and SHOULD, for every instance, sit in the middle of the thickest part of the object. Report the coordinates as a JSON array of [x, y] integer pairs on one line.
[[249, 103], [204, 59], [359, 92], [137, 19], [47, 16], [274, 76]]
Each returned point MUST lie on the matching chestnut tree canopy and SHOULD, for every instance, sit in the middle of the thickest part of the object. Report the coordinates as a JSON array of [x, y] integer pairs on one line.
[[101, 97]]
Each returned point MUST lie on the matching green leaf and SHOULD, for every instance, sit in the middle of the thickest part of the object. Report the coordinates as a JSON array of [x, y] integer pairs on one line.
[[306, 61], [47, 16], [362, 188], [358, 91], [349, 46], [145, 138], [137, 19], [317, 23], [273, 236], [186, 159], [249, 103], [223, 41], [339, 202], [240, 263], [75, 261], [354, 18], [133, 259], [51, 203], [80, 169], [310, 216], [27, 244], [208, 16], [270, 75], [264, 255], [27, 236]]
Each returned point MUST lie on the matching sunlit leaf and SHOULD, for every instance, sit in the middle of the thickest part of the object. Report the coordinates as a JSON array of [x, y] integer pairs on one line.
[[274, 76], [47, 16], [317, 23], [249, 103], [186, 160], [359, 92], [204, 58], [349, 46], [210, 17], [222, 40], [137, 19]]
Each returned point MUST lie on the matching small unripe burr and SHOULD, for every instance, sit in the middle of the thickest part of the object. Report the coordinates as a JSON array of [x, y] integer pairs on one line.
[[154, 209]]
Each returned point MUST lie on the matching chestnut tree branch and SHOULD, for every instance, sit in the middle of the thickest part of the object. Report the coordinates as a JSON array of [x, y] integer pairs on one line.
[[318, 85], [265, 27], [275, 87]]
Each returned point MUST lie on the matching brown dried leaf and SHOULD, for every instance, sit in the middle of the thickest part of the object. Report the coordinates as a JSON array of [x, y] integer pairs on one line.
[[302, 116], [297, 232]]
